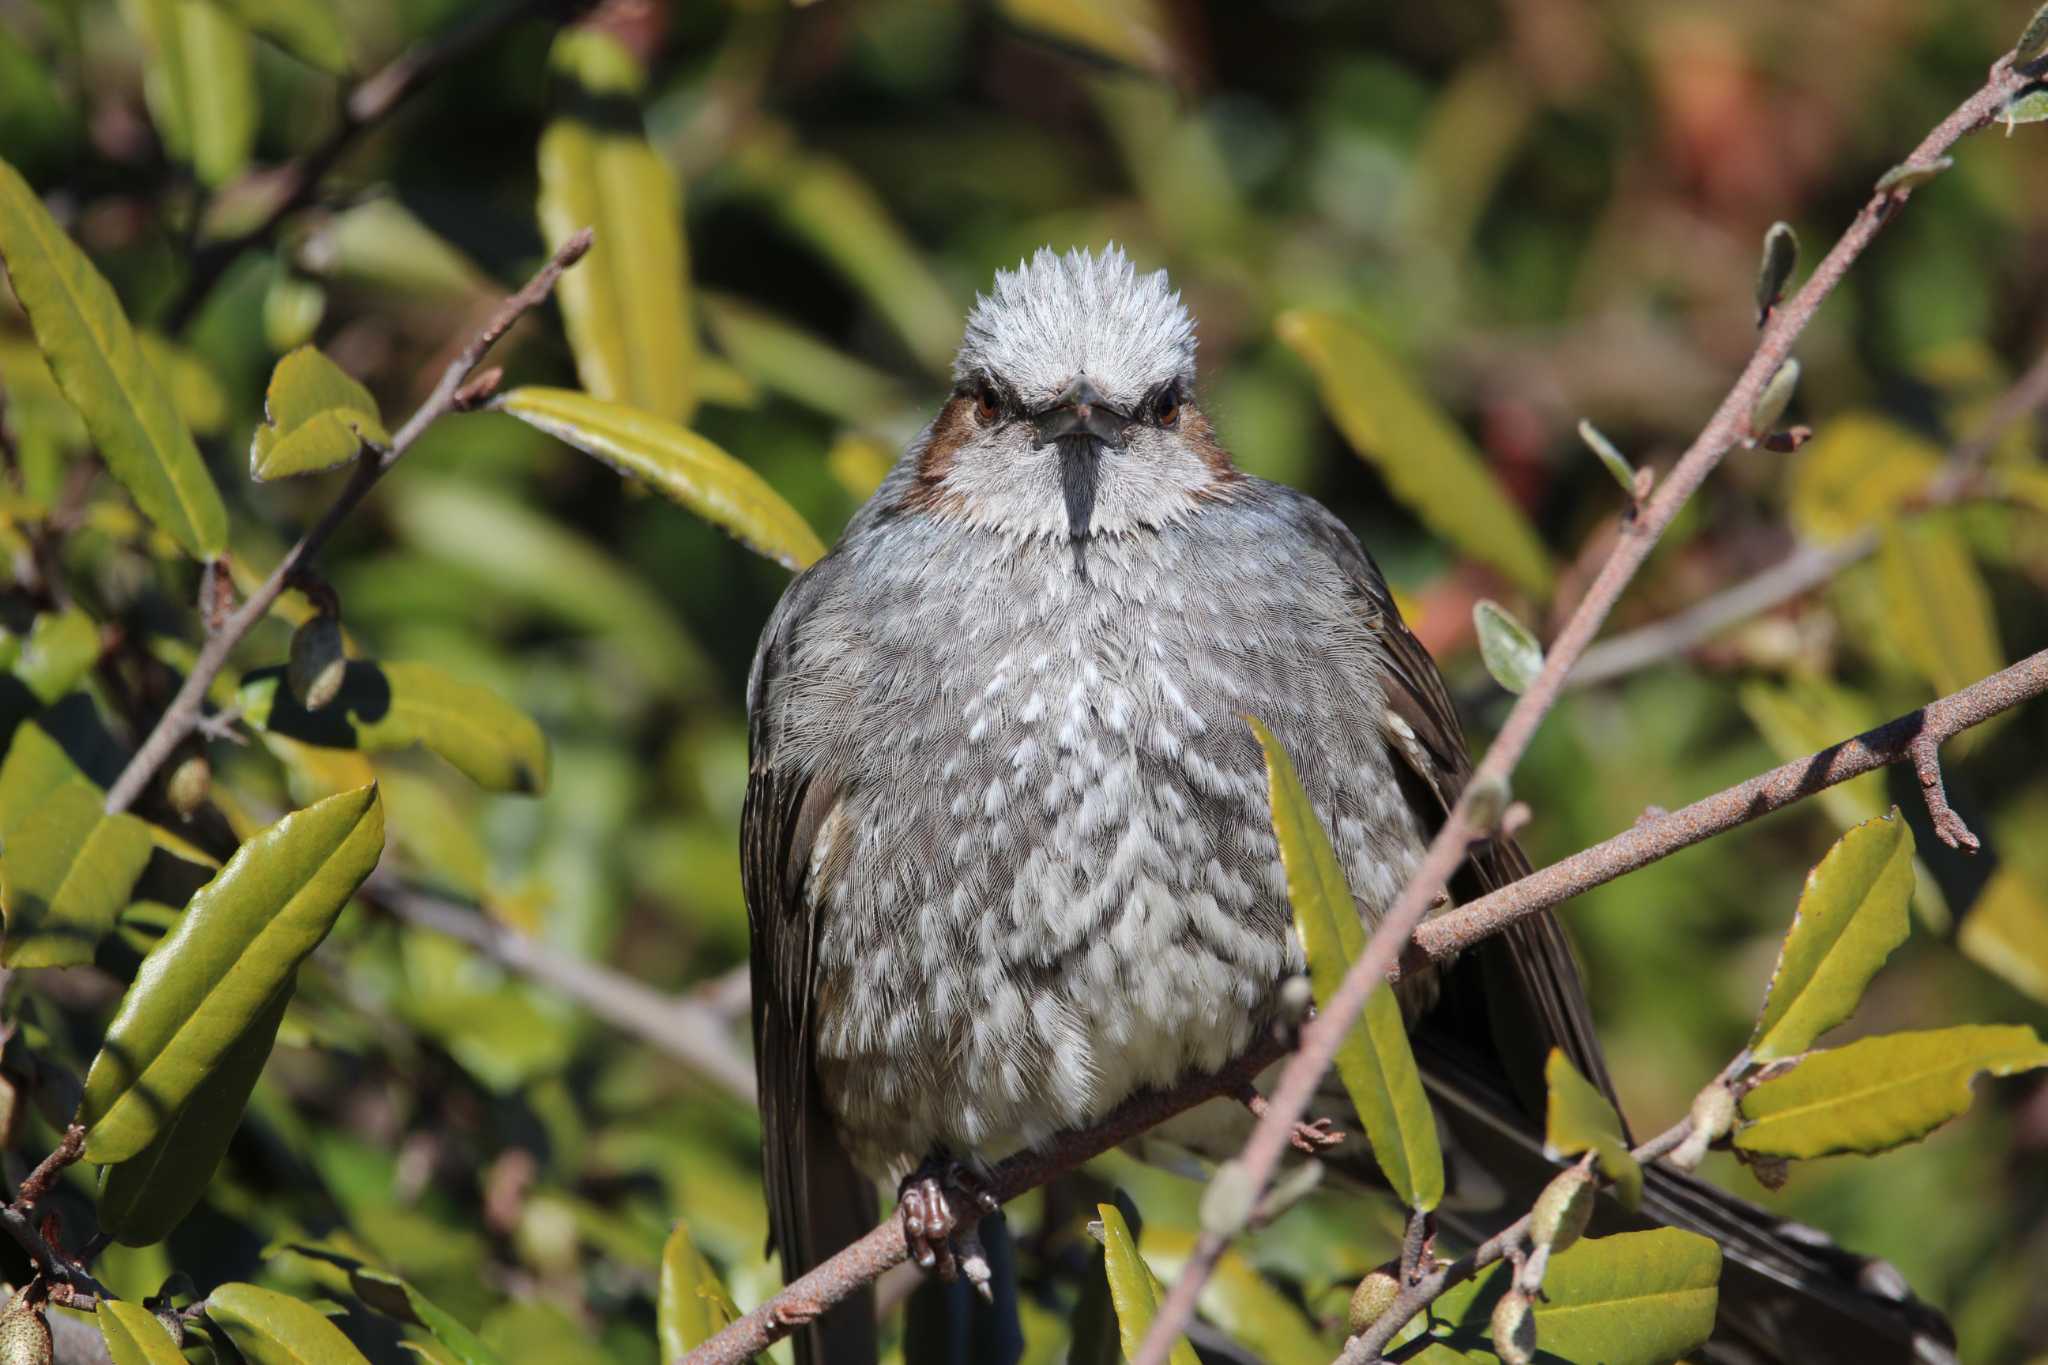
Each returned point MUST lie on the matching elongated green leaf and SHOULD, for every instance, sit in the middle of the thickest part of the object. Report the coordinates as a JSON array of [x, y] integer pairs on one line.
[[1426, 460], [1860, 469], [315, 417], [201, 84], [67, 872], [270, 1328], [1133, 1288], [678, 463], [1638, 1298], [238, 943], [134, 1336], [1129, 32], [787, 360], [101, 367], [1239, 1299], [1374, 1060], [145, 1197], [1511, 653], [2006, 931], [308, 29], [398, 1299], [693, 1305], [1938, 606], [1580, 1119], [627, 308], [1850, 917], [1878, 1093], [384, 706]]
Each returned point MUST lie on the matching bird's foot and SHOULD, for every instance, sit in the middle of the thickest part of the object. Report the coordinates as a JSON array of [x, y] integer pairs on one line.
[[1313, 1136], [940, 1204]]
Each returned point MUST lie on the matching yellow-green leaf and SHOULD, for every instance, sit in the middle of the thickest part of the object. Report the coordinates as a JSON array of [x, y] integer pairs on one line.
[[145, 1197], [101, 367], [789, 361], [1239, 1299], [67, 872], [676, 462], [1851, 914], [2006, 931], [270, 1328], [315, 416], [1878, 1093], [1580, 1119], [1427, 461], [1638, 1298], [308, 29], [398, 1299], [384, 706], [1860, 470], [134, 1336], [1938, 606], [627, 308], [239, 942], [1130, 32], [693, 1305], [58, 649], [1374, 1060], [1133, 1288], [200, 84]]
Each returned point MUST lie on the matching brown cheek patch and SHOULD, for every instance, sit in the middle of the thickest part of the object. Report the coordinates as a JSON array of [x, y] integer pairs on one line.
[[1201, 438], [955, 424]]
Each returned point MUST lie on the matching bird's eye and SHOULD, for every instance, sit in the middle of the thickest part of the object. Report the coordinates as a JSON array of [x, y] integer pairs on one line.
[[1166, 407], [987, 403]]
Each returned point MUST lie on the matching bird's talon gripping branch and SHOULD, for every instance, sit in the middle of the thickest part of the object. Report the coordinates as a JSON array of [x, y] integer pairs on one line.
[[1313, 1136], [939, 1238]]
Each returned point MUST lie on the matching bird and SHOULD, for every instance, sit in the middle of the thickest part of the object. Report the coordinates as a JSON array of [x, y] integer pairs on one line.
[[1007, 844]]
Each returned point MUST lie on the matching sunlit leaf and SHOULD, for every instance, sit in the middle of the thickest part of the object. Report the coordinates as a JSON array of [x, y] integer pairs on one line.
[[627, 308], [1131, 33], [1580, 1119], [1511, 653], [270, 1328], [1427, 461], [1374, 1060], [693, 1306], [57, 651], [383, 706], [200, 83], [1133, 1288], [1860, 470], [134, 1336], [1638, 1298], [194, 389], [678, 463], [786, 360], [239, 943], [315, 417], [2028, 106], [379, 244], [1939, 607], [1850, 917], [145, 1197], [103, 370], [2006, 931], [308, 29], [1878, 1093], [67, 872], [1239, 1299]]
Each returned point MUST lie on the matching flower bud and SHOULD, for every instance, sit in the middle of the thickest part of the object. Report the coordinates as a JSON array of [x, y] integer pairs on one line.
[[1373, 1297], [1562, 1210], [188, 786], [24, 1334], [1713, 1114], [1514, 1329]]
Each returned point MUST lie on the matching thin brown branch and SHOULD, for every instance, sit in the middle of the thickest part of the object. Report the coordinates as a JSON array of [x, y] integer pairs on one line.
[[292, 185], [1662, 835], [680, 1026], [18, 1218], [1638, 535], [66, 1153], [183, 714]]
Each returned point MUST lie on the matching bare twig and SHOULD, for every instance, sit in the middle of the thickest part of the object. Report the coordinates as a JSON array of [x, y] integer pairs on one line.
[[294, 183], [39, 1180], [179, 719], [1638, 535], [1809, 566], [680, 1026], [18, 1218]]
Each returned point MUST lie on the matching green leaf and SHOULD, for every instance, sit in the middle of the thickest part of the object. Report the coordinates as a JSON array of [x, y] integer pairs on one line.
[[2033, 43], [200, 84], [384, 706], [101, 367], [2028, 106], [2006, 931], [1427, 461], [308, 29], [678, 463], [134, 1336], [239, 942], [1878, 1093], [145, 1197], [787, 360], [68, 871], [1511, 653], [38, 765], [1777, 393], [693, 1306], [1376, 1064], [1860, 470], [1850, 917], [1133, 1288], [1610, 456], [1938, 605], [1906, 176], [626, 308], [1580, 1119], [1638, 1298], [1129, 32], [314, 417], [1239, 1299], [270, 1328], [59, 648], [1781, 257]]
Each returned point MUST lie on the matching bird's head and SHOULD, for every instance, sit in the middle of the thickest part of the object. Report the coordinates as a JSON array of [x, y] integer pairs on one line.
[[1072, 413]]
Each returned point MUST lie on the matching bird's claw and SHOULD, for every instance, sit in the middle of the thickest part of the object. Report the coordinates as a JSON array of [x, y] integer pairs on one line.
[[939, 1238], [1315, 1137]]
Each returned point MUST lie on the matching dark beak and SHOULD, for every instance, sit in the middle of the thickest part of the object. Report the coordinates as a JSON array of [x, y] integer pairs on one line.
[[1080, 411]]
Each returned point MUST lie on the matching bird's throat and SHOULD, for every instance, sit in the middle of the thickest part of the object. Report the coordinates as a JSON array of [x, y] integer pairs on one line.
[[1080, 467]]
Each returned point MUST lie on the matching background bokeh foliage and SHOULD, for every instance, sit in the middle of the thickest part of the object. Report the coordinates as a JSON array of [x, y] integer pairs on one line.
[[1479, 222]]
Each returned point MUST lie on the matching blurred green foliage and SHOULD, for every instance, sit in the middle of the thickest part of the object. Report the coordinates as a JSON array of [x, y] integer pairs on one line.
[[1522, 214]]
